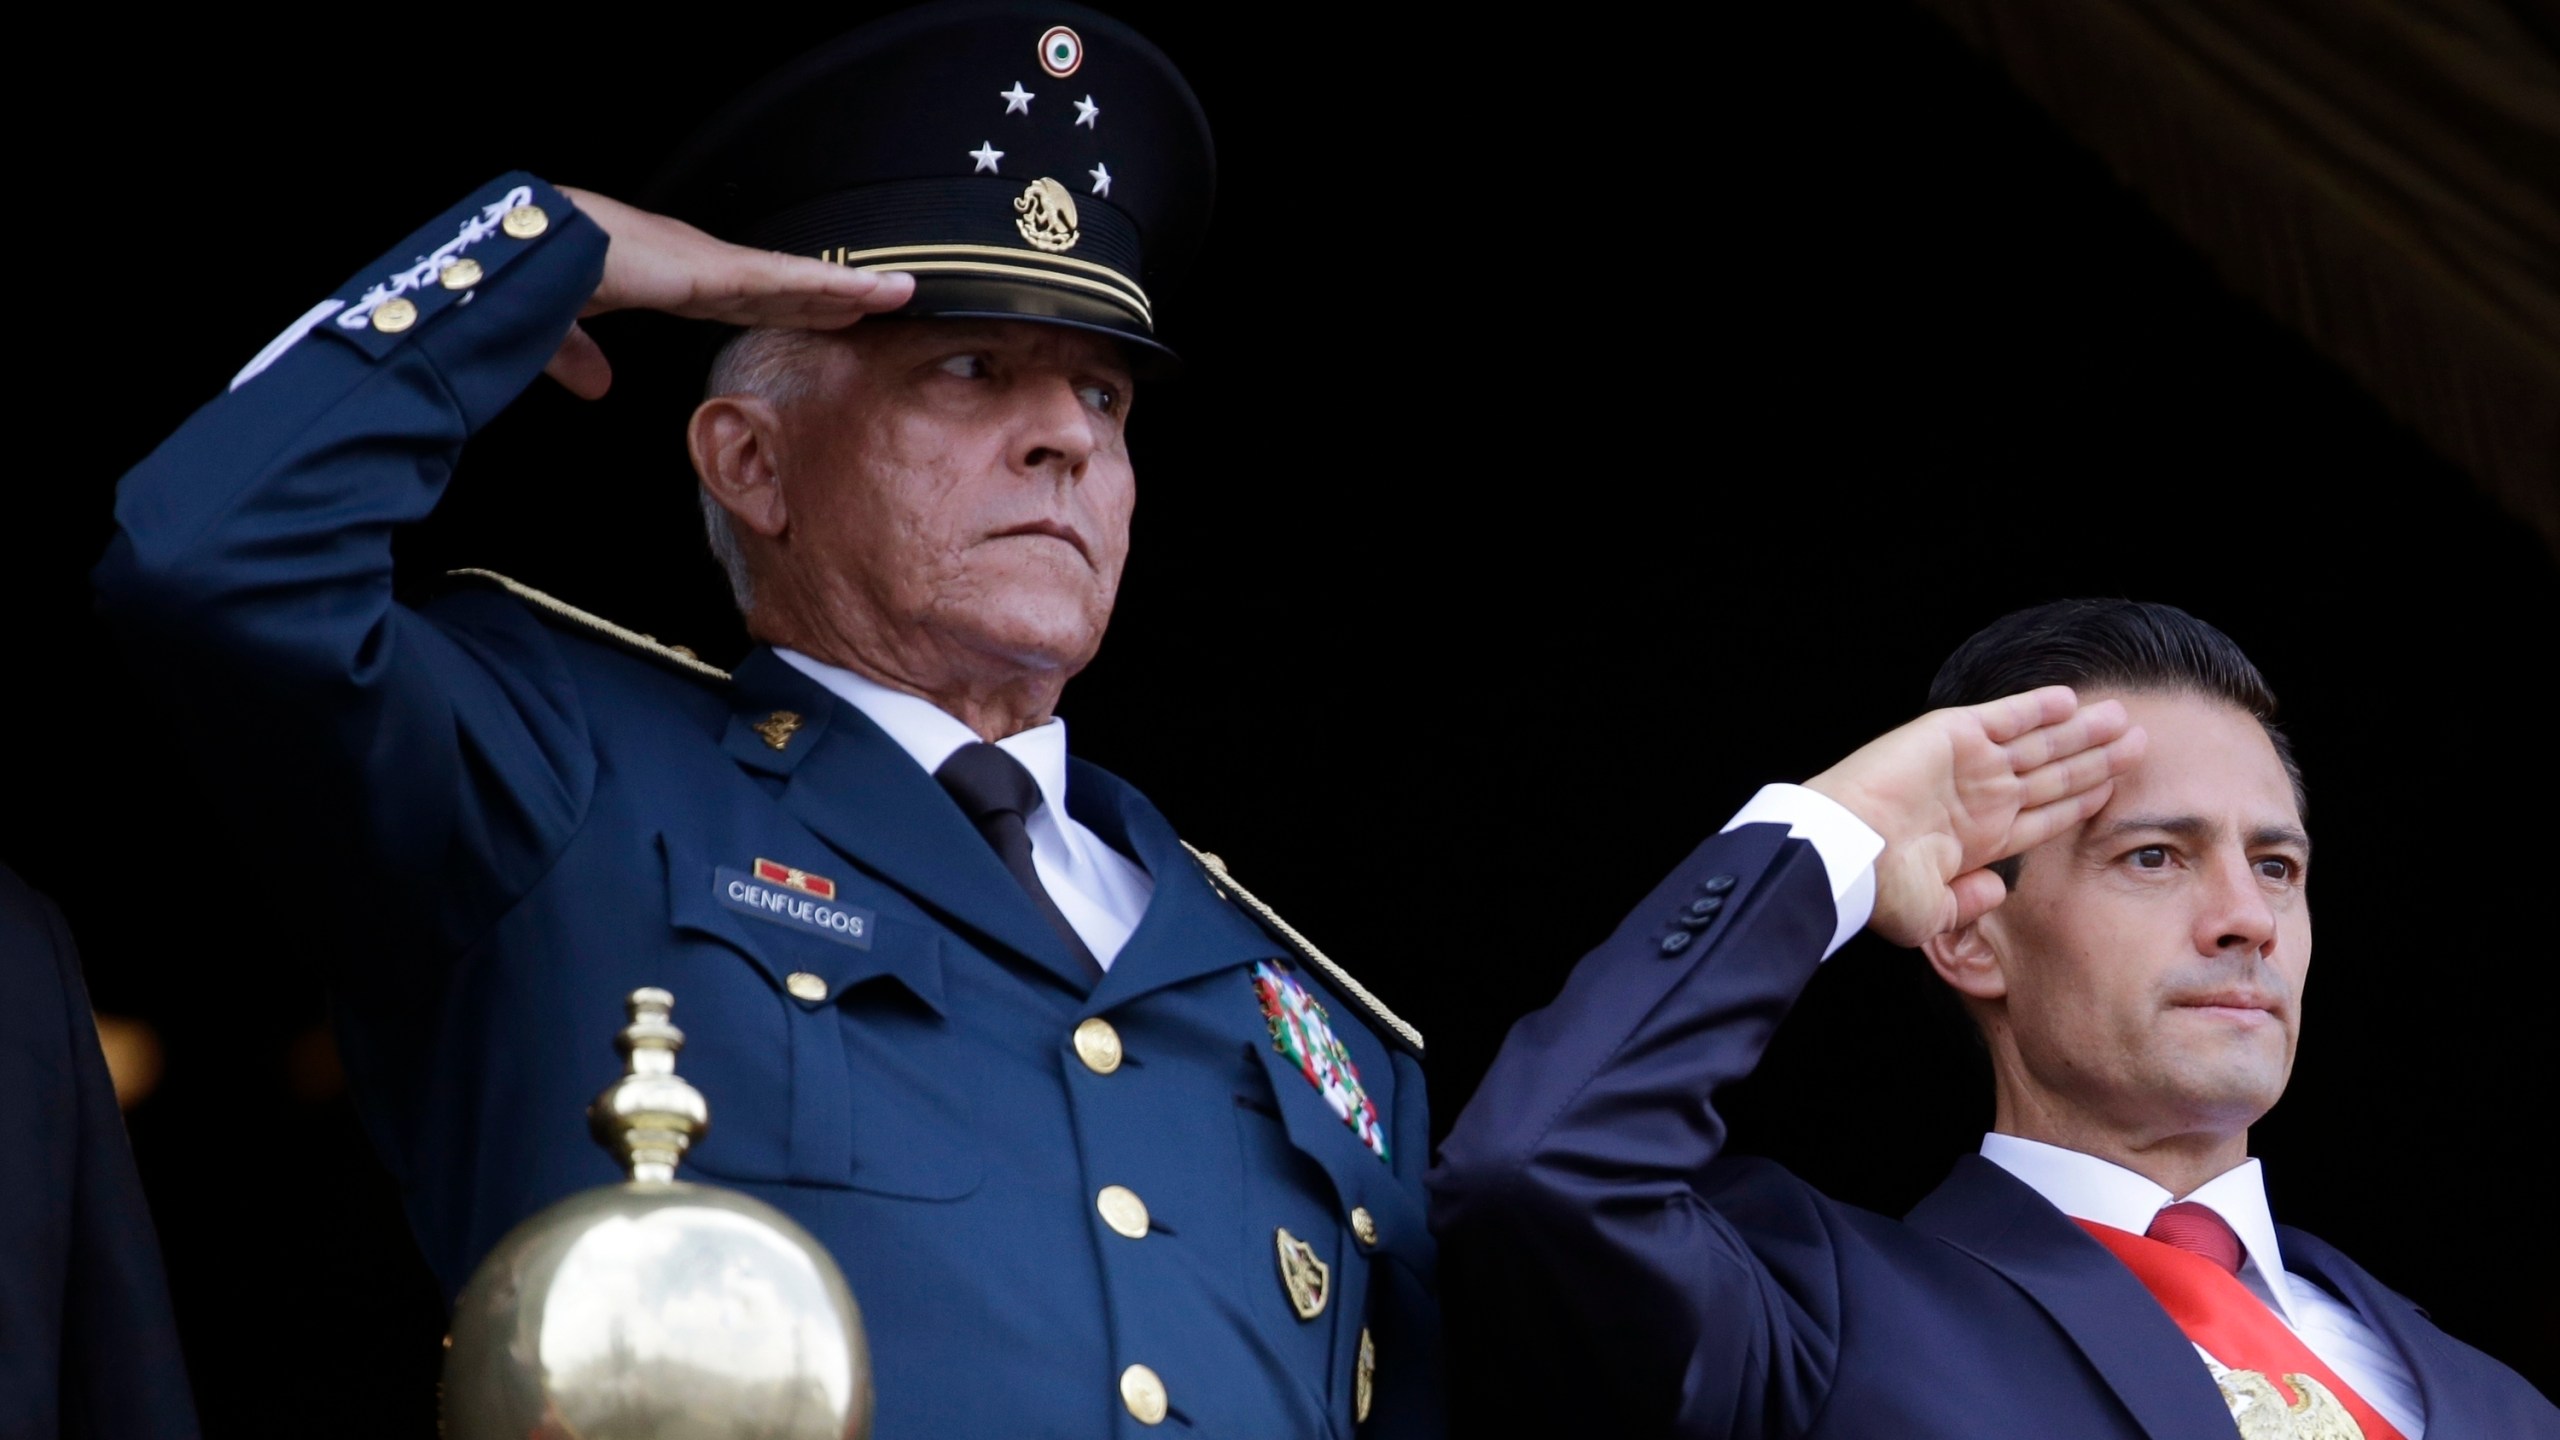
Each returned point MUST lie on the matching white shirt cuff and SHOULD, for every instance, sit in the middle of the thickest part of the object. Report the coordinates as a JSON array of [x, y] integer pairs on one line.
[[1847, 847]]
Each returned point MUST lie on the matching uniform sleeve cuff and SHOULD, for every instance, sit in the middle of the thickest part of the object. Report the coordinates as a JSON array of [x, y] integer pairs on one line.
[[1847, 847]]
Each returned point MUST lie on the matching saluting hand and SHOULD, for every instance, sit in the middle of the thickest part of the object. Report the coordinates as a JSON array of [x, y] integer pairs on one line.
[[655, 263], [1958, 789]]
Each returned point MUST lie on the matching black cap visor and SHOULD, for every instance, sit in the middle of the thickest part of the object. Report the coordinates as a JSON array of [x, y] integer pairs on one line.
[[971, 297]]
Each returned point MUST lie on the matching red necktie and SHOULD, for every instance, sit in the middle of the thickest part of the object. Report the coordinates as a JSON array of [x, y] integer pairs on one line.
[[2197, 1230], [2190, 1262]]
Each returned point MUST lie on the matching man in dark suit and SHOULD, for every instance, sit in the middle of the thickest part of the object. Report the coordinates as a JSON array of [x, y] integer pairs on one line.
[[87, 1347], [2131, 938], [1101, 1145]]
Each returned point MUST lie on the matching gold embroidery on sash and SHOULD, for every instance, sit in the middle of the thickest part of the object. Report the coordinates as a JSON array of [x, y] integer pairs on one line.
[[2261, 1412]]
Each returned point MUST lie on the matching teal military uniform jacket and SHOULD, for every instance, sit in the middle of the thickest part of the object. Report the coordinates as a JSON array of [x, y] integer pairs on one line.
[[511, 815]]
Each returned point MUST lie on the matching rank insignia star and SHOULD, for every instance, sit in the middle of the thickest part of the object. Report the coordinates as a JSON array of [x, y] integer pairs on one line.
[[1301, 1031], [1101, 174], [1017, 101], [986, 155], [1087, 112]]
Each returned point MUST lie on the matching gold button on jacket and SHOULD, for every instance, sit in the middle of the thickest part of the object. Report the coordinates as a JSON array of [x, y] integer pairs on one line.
[[1363, 1226], [1098, 1046], [1364, 1385], [1143, 1393], [1122, 1210]]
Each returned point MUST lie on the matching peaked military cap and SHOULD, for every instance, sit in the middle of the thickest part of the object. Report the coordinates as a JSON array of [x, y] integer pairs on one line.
[[1023, 161]]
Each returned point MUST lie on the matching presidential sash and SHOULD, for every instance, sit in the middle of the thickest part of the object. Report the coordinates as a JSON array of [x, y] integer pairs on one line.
[[2275, 1387]]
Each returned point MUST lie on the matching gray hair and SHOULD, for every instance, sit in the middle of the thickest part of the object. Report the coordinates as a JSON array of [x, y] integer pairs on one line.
[[766, 363]]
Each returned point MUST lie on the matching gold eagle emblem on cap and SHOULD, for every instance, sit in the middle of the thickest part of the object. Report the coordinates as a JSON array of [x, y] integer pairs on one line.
[[1046, 216]]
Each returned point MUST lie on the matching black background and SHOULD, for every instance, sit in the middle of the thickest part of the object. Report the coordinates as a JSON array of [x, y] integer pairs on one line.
[[1588, 422]]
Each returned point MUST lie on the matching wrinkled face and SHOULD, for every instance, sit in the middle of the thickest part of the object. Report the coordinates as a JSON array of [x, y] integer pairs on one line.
[[965, 487], [2155, 955]]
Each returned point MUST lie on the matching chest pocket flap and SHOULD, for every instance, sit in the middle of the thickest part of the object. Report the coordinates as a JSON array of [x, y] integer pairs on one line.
[[834, 1031], [1360, 1179]]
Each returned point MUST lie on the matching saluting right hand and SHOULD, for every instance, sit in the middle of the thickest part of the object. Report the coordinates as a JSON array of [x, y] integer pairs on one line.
[[1958, 789], [655, 263]]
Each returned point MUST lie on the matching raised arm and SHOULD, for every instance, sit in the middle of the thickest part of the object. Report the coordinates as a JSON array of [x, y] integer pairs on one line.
[[1588, 1255], [251, 569]]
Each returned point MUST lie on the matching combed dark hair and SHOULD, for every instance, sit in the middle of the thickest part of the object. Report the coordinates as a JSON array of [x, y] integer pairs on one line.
[[2109, 645]]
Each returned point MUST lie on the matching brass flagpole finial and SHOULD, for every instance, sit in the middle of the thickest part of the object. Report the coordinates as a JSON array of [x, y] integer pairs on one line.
[[648, 1118], [656, 1307]]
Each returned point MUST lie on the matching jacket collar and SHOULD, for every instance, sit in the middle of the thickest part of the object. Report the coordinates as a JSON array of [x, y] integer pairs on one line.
[[2088, 1187], [1189, 929], [2436, 1359], [845, 779], [2145, 1358], [841, 776]]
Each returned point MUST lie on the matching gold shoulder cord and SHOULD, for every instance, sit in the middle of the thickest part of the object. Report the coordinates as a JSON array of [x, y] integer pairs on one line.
[[629, 639], [1218, 871]]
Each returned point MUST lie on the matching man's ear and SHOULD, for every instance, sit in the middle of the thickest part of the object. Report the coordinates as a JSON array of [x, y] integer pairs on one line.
[[1969, 960], [736, 442]]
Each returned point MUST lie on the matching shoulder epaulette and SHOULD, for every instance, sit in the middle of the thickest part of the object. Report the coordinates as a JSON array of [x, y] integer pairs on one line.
[[1397, 1030], [647, 647]]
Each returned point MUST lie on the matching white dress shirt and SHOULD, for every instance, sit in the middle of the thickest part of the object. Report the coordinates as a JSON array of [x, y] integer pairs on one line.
[[1102, 892], [2085, 1187], [1848, 849]]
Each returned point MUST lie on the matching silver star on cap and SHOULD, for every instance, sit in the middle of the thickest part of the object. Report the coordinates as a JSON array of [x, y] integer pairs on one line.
[[986, 155], [1101, 174], [1017, 101], [1085, 110]]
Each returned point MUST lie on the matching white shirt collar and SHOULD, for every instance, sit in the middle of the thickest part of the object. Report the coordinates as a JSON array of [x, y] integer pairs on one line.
[[930, 734], [2085, 1187]]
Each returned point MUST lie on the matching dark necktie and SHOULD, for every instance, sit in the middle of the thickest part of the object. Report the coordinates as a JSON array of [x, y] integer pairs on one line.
[[998, 796], [2197, 1230]]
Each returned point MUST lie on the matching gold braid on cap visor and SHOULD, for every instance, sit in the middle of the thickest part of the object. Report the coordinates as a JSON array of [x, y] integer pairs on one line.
[[1006, 264]]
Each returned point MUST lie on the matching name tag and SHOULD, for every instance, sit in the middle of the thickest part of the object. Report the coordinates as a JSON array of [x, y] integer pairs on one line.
[[745, 893]]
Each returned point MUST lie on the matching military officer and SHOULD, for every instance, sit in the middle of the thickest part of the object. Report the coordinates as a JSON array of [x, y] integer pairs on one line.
[[1104, 1147]]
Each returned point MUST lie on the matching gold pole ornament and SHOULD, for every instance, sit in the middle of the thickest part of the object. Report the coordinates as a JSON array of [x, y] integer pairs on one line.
[[656, 1309], [651, 1116]]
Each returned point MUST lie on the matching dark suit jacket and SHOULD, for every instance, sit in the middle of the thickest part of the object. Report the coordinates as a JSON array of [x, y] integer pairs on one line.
[[87, 1347], [1599, 1246], [503, 818]]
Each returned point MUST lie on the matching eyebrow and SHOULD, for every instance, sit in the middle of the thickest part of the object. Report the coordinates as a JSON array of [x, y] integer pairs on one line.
[[2271, 837], [2196, 827]]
